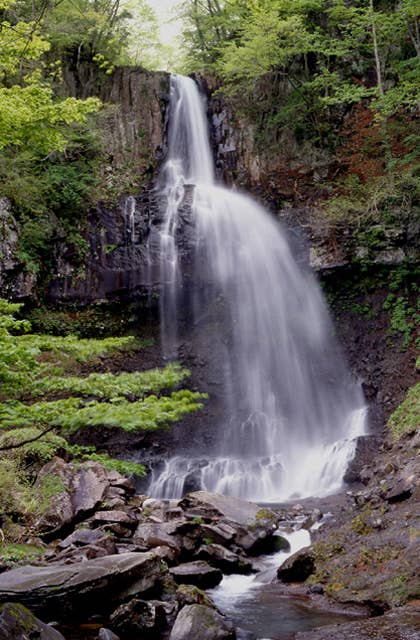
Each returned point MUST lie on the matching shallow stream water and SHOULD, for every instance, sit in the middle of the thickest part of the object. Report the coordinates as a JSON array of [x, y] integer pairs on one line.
[[257, 605]]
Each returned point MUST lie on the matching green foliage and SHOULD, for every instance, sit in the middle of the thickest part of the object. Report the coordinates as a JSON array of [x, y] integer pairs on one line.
[[14, 488], [33, 433], [383, 200], [110, 386], [404, 318], [71, 414], [18, 363], [47, 488], [124, 467], [20, 354], [80, 349], [32, 445], [405, 418], [313, 54], [19, 553]]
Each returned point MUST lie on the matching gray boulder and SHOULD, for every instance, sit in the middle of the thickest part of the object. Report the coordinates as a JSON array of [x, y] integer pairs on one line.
[[151, 534], [138, 618], [198, 573], [84, 588], [214, 505], [78, 491], [252, 526], [199, 622], [81, 537], [188, 594], [298, 567], [18, 623]]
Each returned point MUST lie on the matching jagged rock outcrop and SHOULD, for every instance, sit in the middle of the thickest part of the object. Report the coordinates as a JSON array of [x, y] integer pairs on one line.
[[113, 261]]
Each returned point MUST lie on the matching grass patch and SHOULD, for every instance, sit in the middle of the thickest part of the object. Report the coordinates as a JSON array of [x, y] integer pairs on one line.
[[19, 552], [405, 418]]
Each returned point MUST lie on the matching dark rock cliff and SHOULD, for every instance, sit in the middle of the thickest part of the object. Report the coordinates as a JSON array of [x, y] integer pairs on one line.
[[111, 263], [116, 231]]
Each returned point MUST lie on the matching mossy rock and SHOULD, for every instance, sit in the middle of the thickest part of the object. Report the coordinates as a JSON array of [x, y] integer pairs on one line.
[[17, 622]]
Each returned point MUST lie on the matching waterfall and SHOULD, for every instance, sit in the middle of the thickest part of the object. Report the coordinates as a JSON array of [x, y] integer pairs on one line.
[[291, 411]]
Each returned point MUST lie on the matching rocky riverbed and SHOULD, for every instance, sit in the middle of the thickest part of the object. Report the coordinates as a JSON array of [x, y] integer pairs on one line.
[[116, 564]]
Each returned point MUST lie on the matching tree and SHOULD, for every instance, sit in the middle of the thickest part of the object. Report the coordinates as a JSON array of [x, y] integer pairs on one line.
[[31, 116]]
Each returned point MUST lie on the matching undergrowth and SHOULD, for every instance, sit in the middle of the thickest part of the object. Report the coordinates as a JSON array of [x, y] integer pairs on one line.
[[34, 430], [405, 418]]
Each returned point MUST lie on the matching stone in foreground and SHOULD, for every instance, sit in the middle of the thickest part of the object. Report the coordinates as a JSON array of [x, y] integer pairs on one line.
[[18, 623], [208, 505], [198, 622], [83, 588]]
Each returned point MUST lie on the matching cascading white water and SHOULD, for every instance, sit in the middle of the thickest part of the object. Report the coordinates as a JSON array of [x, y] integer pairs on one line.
[[292, 413]]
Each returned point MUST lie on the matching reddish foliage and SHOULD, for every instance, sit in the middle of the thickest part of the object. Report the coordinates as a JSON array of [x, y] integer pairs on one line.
[[363, 152]]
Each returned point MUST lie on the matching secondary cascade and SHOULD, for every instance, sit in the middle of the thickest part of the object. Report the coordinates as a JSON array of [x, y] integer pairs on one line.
[[291, 411]]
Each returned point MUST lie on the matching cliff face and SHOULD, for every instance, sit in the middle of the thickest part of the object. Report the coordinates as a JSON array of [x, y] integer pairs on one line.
[[134, 134], [295, 178], [110, 257]]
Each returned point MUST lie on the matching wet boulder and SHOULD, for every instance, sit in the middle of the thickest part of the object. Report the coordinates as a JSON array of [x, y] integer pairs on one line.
[[75, 492], [224, 559], [59, 477], [298, 567], [106, 634], [156, 534], [216, 506], [89, 587], [198, 621], [81, 537], [18, 623], [198, 573]]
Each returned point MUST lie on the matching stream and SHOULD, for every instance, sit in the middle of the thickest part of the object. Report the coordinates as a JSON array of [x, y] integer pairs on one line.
[[257, 605]]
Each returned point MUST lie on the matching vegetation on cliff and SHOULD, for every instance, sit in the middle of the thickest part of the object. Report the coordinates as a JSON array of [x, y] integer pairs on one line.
[[343, 75], [55, 56], [33, 431]]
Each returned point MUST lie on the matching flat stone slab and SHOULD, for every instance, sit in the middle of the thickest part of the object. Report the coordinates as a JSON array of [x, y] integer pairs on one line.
[[198, 573], [68, 590]]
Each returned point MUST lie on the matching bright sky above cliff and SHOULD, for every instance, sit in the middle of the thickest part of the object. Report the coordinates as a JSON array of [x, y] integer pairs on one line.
[[170, 28]]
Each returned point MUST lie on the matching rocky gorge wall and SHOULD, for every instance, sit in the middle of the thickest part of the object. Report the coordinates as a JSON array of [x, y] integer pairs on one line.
[[119, 233], [110, 263]]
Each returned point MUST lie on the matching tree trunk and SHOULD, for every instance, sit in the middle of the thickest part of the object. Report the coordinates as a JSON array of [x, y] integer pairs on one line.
[[376, 50]]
